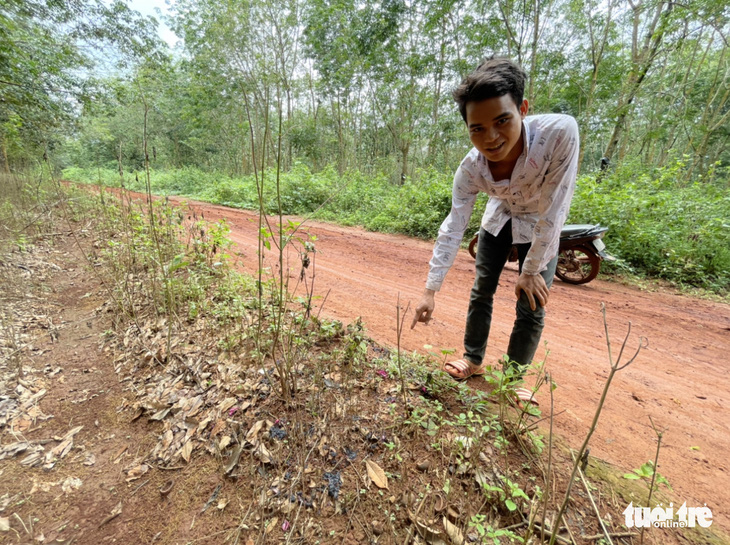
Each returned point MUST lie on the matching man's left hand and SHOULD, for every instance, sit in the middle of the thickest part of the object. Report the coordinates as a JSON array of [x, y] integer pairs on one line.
[[534, 287]]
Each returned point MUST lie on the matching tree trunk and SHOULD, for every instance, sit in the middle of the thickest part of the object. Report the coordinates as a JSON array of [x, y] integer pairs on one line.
[[6, 165], [405, 146], [642, 61], [533, 60]]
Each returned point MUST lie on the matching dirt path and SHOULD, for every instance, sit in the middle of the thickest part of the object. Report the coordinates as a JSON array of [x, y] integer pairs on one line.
[[680, 380]]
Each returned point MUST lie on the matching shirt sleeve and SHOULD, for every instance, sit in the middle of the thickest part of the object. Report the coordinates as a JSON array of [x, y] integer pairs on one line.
[[555, 196], [451, 232]]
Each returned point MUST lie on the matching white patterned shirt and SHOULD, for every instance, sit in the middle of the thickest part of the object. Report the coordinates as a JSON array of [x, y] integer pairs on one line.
[[536, 197]]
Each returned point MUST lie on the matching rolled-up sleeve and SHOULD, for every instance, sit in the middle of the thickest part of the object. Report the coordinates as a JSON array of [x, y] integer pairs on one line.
[[555, 196], [451, 232]]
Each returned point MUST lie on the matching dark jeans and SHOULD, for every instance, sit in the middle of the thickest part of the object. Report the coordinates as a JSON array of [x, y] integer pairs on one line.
[[492, 254]]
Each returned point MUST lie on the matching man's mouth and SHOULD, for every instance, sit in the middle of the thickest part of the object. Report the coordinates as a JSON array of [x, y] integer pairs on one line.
[[495, 148]]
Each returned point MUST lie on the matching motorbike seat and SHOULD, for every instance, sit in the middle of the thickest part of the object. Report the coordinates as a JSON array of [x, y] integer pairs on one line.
[[576, 229]]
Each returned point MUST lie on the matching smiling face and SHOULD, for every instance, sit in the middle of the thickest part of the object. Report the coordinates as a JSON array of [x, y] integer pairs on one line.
[[495, 128]]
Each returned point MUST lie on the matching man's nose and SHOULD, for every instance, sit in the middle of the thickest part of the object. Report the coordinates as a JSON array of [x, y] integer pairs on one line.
[[490, 134]]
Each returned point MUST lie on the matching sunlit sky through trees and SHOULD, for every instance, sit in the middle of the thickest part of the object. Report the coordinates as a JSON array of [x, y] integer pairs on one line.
[[151, 7]]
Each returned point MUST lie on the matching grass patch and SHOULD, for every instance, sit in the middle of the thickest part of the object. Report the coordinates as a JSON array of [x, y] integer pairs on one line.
[[662, 225]]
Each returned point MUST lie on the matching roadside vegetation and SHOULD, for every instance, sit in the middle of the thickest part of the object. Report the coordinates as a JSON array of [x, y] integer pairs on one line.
[[663, 224]]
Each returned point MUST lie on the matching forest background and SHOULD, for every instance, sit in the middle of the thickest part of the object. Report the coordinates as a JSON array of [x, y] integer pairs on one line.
[[345, 107]]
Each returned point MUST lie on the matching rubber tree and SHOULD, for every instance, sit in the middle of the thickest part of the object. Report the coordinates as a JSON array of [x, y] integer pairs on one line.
[[650, 23]]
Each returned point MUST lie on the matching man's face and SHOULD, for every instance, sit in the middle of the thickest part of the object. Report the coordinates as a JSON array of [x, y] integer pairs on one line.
[[495, 127]]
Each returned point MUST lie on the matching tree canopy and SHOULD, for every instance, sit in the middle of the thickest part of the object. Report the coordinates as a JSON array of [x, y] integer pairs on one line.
[[358, 85], [50, 55]]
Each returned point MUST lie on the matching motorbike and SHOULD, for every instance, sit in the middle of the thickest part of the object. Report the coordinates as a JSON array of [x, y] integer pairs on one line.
[[579, 256]]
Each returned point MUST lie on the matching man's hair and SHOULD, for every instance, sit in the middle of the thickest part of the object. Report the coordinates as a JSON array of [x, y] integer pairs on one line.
[[494, 77]]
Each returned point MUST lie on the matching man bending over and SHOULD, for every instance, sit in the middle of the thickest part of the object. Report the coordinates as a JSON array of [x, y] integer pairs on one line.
[[527, 166]]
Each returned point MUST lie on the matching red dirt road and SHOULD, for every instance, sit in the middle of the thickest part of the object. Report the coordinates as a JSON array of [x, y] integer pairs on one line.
[[680, 380]]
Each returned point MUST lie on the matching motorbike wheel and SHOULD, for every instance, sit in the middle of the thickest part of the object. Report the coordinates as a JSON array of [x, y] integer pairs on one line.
[[473, 246], [577, 265]]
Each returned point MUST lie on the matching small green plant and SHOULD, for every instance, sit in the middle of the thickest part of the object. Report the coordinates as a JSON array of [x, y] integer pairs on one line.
[[646, 472], [486, 531], [355, 342], [509, 493]]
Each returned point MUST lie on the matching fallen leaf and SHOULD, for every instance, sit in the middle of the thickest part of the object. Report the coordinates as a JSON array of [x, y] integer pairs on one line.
[[218, 427], [61, 449], [32, 459], [455, 535], [21, 424], [254, 431], [73, 432], [222, 504], [431, 535], [481, 477], [227, 404], [160, 415], [263, 454], [187, 450], [233, 460], [376, 473], [225, 441], [136, 472], [271, 525], [4, 525]]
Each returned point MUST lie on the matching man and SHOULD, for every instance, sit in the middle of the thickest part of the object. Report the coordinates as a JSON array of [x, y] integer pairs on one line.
[[528, 167]]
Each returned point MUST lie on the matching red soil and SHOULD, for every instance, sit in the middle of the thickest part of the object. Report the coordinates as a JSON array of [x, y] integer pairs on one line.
[[680, 379]]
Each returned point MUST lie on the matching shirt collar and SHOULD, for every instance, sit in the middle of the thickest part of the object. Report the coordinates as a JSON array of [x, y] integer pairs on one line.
[[526, 133]]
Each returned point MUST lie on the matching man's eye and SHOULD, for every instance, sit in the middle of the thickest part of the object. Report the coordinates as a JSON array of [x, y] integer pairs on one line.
[[502, 121]]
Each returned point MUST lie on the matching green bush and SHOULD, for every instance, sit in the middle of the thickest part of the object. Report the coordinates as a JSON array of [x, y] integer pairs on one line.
[[660, 224]]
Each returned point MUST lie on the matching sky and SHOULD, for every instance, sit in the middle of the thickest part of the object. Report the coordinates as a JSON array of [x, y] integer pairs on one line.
[[150, 7]]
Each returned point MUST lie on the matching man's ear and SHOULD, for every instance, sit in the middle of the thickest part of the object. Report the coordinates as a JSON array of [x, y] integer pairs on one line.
[[524, 107]]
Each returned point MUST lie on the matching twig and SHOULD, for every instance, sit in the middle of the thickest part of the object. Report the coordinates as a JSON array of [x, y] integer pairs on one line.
[[211, 535], [550, 456], [175, 468], [593, 503], [400, 320], [137, 489], [323, 302], [534, 424], [659, 435], [553, 534], [114, 514], [615, 367], [570, 533], [21, 522], [615, 534]]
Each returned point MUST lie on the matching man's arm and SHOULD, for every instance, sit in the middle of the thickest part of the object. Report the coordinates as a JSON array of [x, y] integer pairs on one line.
[[451, 232]]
